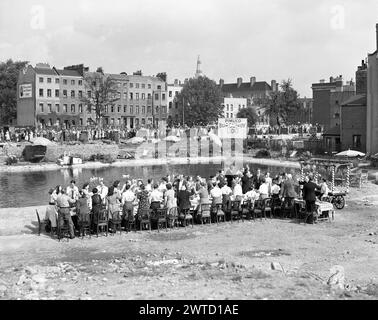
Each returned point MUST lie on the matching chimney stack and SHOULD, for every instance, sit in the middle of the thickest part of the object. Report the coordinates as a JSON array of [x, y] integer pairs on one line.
[[239, 82], [331, 79], [274, 85], [221, 82], [253, 81]]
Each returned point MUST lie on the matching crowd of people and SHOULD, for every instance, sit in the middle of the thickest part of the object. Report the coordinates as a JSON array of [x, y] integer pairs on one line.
[[74, 133], [74, 206], [301, 128]]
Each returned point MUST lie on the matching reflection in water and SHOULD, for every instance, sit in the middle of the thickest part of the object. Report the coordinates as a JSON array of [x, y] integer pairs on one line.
[[31, 188]]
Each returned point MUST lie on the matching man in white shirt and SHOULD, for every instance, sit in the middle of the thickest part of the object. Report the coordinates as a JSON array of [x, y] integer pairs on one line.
[[149, 186], [275, 189], [128, 195], [216, 193], [238, 191], [226, 190], [264, 189], [156, 195], [102, 190], [72, 190]]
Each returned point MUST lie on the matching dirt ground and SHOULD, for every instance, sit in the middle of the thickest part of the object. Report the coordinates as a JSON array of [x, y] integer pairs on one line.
[[262, 259]]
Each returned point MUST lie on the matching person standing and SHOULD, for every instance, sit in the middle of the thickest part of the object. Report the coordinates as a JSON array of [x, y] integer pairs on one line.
[[310, 198], [287, 190], [73, 190], [63, 202], [246, 181], [257, 179], [102, 190]]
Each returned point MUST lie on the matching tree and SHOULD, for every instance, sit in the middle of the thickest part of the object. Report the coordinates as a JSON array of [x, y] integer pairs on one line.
[[279, 105], [101, 94], [200, 101], [9, 71], [162, 76], [250, 114]]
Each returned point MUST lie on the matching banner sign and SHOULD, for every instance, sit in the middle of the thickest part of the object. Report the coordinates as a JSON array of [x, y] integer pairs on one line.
[[26, 90], [232, 128]]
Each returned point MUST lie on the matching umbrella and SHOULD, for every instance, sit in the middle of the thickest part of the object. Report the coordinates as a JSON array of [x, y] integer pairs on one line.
[[350, 154], [215, 139], [172, 138], [136, 140]]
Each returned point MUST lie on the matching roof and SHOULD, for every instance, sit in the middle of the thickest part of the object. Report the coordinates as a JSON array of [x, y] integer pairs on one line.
[[334, 131], [69, 73], [246, 86], [45, 71], [357, 100]]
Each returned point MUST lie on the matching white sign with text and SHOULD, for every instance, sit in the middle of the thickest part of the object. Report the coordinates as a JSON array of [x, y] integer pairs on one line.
[[232, 128]]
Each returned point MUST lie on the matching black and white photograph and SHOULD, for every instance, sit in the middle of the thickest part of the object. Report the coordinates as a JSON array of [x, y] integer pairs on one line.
[[189, 156]]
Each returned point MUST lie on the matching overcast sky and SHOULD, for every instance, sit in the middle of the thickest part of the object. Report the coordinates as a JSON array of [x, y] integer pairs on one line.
[[277, 39]]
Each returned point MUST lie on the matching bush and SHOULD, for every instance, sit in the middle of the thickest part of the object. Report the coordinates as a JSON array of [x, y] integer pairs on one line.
[[11, 160], [263, 153], [107, 158]]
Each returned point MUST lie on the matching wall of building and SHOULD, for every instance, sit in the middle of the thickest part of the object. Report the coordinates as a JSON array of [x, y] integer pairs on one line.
[[372, 105], [336, 99], [173, 103], [321, 107], [353, 122], [231, 106], [26, 106]]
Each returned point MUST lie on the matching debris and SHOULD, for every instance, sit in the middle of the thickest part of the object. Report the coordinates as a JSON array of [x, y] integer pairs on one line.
[[337, 278], [39, 278], [276, 266], [21, 279]]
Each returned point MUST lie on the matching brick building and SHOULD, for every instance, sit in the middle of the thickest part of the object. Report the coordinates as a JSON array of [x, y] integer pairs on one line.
[[353, 123], [327, 100], [49, 96], [252, 90], [372, 101]]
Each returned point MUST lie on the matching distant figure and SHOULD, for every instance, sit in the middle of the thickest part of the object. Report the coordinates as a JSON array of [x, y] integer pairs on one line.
[[310, 198]]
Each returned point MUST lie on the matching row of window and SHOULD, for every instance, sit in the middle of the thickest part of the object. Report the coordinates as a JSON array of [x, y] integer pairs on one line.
[[138, 109], [170, 104], [80, 94], [107, 121], [64, 93], [231, 107], [170, 93], [57, 80], [143, 96]]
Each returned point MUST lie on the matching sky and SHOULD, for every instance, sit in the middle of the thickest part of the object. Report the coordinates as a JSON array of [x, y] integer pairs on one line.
[[301, 40]]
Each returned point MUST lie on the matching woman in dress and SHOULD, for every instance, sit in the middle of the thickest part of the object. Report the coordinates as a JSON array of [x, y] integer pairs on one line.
[[112, 202], [88, 195], [143, 197], [170, 198]]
